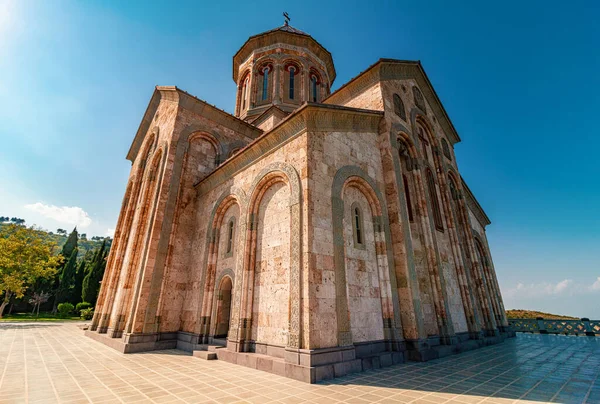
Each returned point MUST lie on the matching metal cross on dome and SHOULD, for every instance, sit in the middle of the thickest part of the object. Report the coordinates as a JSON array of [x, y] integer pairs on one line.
[[287, 17]]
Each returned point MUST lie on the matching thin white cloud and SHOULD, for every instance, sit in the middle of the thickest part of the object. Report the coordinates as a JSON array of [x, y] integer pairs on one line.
[[541, 289], [62, 214], [110, 232]]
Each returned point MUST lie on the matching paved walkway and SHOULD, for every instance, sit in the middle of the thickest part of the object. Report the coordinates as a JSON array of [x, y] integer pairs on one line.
[[55, 363]]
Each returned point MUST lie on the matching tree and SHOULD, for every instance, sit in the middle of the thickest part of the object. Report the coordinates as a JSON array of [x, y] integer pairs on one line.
[[78, 284], [61, 231], [25, 256], [17, 220], [37, 300], [83, 236], [67, 278], [67, 250], [91, 282]]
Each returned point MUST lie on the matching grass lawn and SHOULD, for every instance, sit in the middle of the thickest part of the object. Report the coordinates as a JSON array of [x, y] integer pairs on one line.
[[30, 317]]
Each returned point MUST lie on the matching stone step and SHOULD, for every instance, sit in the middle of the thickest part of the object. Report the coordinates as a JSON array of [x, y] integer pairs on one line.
[[206, 355], [213, 348]]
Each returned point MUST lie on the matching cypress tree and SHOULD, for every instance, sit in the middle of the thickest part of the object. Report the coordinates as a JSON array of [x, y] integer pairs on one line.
[[70, 245], [91, 282], [67, 278], [67, 250], [78, 284]]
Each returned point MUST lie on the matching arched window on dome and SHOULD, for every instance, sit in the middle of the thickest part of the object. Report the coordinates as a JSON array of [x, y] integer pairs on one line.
[[435, 206], [265, 84], [245, 92], [399, 107], [314, 88], [292, 71]]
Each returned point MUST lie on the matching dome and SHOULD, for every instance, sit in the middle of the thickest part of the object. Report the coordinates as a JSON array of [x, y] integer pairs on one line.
[[282, 67]]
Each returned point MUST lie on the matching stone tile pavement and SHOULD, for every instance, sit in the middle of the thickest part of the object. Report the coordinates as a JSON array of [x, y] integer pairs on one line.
[[52, 362]]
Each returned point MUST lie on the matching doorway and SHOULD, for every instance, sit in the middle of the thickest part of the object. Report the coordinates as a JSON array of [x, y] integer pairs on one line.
[[223, 308]]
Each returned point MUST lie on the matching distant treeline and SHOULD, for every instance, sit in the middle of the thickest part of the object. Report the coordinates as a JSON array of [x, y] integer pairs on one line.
[[518, 313]]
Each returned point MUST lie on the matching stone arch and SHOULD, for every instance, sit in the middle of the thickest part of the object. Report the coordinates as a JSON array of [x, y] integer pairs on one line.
[[194, 131], [218, 309], [267, 177], [230, 197], [134, 266], [489, 278], [353, 176], [105, 300]]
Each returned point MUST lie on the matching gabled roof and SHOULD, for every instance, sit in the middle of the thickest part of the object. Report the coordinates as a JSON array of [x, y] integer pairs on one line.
[[272, 110], [389, 69], [188, 101]]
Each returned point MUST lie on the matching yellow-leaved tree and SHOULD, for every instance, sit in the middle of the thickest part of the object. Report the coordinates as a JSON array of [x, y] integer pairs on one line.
[[25, 256]]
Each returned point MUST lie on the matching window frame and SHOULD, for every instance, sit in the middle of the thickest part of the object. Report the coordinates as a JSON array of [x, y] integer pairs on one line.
[[230, 244], [438, 219], [358, 226]]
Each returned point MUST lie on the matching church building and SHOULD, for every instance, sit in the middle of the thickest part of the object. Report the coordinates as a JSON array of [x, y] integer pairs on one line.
[[310, 234]]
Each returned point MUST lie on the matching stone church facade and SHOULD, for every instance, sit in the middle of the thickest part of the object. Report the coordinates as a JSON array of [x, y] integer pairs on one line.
[[311, 234]]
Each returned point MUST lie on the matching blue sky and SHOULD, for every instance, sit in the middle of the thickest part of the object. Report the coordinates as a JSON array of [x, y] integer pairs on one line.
[[520, 83]]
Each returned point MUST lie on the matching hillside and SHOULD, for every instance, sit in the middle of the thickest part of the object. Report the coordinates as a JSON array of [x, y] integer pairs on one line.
[[518, 313]]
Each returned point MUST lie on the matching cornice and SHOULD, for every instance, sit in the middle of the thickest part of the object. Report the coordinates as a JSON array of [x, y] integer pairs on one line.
[[193, 104], [392, 69], [473, 205], [310, 117]]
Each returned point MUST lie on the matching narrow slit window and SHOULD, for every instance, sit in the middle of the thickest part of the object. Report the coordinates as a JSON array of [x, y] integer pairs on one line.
[[265, 83], [408, 200], [230, 232], [358, 225], [292, 78], [314, 88]]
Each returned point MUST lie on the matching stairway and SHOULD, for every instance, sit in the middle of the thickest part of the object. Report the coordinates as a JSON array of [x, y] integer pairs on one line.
[[209, 354]]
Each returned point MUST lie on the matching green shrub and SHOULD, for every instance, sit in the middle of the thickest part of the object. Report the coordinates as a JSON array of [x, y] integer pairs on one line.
[[87, 314], [64, 309], [81, 306]]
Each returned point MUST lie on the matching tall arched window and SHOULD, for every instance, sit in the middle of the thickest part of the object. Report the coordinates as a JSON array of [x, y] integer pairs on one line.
[[399, 107], [453, 188], [357, 224], [446, 149], [245, 93], [408, 199], [265, 88], [419, 100], [230, 236], [424, 142], [435, 206], [292, 79], [313, 85]]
